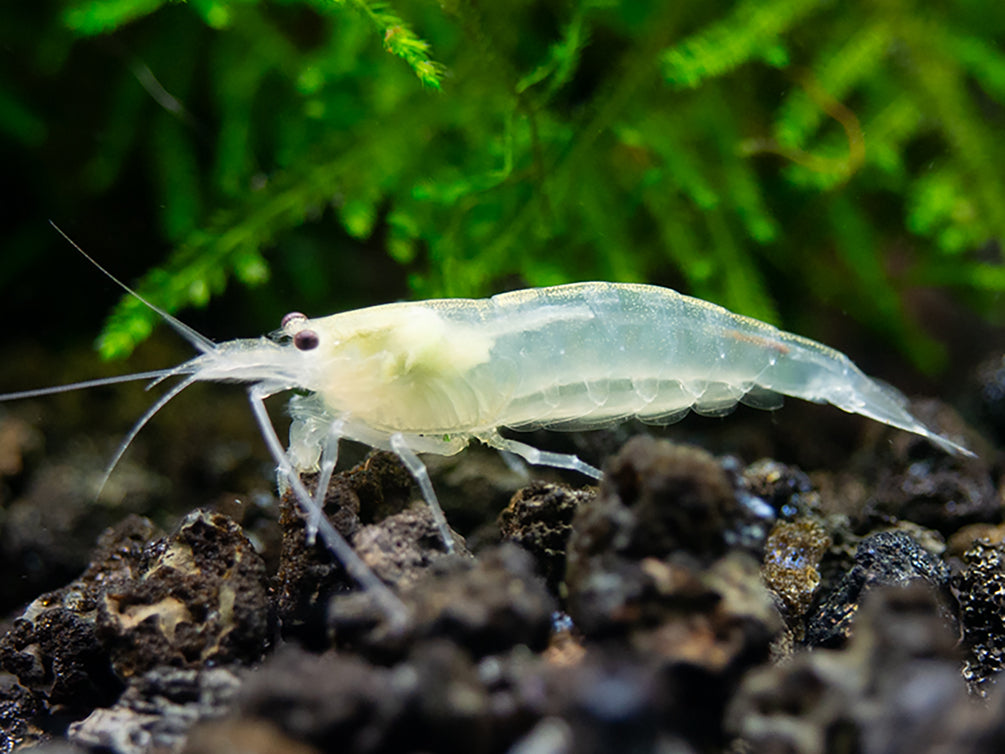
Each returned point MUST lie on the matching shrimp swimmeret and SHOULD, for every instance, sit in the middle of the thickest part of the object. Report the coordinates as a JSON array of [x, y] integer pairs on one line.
[[430, 376]]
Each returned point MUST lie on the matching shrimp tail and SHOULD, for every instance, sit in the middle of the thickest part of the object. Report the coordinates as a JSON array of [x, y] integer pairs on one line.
[[816, 373], [877, 400]]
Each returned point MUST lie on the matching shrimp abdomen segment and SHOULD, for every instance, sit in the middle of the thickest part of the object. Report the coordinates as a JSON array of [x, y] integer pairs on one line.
[[603, 352], [634, 350]]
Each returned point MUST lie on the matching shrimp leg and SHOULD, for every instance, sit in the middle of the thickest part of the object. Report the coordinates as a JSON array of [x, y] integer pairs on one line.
[[329, 459], [418, 471], [394, 608], [540, 457]]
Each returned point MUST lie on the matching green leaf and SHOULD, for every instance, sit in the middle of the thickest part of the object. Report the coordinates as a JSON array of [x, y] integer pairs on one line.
[[103, 16]]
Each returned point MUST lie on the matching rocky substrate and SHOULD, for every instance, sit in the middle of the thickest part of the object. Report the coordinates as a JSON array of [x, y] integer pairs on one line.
[[689, 603]]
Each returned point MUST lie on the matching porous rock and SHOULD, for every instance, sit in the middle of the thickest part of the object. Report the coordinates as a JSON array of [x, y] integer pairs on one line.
[[157, 709], [433, 701], [199, 596], [486, 605], [53, 647], [437, 700], [678, 496], [369, 506], [18, 706], [403, 546], [980, 592], [539, 519], [656, 500], [791, 558], [787, 489], [891, 558], [307, 573], [894, 689]]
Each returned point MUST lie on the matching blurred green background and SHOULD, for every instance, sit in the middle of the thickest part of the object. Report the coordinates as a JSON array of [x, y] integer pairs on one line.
[[803, 162]]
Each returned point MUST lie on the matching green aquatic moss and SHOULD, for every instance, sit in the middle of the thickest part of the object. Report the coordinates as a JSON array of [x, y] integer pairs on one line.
[[774, 156]]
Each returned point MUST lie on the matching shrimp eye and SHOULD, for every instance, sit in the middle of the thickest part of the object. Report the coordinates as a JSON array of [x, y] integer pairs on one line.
[[291, 317], [306, 340]]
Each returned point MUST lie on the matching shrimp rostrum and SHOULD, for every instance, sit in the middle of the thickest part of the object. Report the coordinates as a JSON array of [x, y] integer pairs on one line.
[[431, 376]]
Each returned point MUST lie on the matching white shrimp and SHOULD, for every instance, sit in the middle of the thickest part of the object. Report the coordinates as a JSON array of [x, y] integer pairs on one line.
[[430, 376]]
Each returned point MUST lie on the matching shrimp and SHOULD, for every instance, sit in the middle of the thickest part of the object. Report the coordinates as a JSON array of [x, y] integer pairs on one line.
[[431, 376]]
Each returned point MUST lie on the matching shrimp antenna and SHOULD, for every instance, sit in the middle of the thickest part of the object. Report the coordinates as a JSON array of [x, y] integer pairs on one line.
[[157, 375], [197, 339], [140, 424]]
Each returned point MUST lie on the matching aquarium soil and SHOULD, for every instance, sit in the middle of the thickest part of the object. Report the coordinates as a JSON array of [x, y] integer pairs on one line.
[[689, 603]]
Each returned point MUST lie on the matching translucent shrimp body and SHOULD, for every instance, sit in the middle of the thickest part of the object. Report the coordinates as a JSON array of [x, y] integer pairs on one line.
[[431, 376]]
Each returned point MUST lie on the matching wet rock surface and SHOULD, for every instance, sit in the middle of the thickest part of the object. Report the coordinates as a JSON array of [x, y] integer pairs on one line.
[[52, 646], [198, 598], [980, 589], [485, 606], [688, 603], [157, 710], [193, 599], [539, 519], [18, 706], [792, 557], [895, 687], [885, 559]]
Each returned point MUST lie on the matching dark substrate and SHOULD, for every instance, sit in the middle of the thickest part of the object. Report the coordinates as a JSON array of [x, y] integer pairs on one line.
[[691, 603]]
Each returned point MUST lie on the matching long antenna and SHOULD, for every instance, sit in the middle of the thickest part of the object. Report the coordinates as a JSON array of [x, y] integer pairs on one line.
[[157, 374], [194, 337], [140, 424]]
